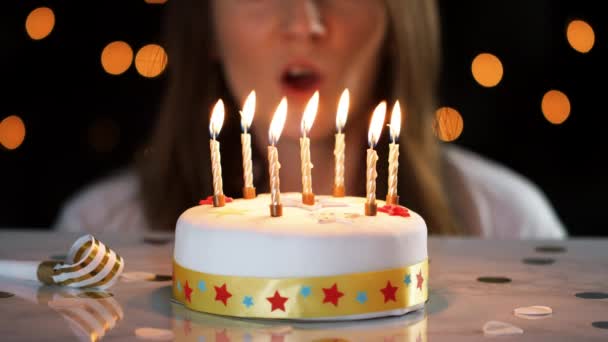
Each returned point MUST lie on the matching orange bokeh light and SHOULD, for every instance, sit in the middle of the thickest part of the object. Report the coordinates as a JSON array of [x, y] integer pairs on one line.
[[555, 106], [448, 124], [116, 57], [487, 69], [40, 22], [151, 60], [12, 132], [580, 35]]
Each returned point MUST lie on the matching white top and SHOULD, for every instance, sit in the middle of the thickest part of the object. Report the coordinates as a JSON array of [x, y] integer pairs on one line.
[[493, 201]]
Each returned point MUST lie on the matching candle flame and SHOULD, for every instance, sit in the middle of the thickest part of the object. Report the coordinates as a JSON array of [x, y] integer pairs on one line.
[[217, 119], [342, 110], [375, 127], [278, 121], [395, 125], [248, 111], [310, 112]]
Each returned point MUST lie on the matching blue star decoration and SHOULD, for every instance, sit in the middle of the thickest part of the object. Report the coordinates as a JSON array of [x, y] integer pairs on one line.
[[361, 297], [202, 286], [179, 286], [408, 279], [305, 291], [248, 301]]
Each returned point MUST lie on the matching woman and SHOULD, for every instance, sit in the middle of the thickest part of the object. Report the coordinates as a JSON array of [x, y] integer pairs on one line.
[[379, 50]]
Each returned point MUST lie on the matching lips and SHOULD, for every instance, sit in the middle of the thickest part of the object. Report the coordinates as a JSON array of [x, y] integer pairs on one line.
[[300, 79]]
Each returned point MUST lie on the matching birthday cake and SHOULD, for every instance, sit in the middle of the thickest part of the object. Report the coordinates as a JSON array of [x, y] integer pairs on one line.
[[326, 261]]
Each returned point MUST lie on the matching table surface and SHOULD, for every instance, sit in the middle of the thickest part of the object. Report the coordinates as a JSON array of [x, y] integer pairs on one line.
[[459, 304]]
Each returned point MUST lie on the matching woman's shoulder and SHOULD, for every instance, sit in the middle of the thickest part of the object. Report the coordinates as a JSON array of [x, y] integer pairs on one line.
[[111, 203], [506, 204]]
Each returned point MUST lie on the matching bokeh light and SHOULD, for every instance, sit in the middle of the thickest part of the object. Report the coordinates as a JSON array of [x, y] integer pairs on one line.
[[448, 124], [116, 57], [580, 35], [487, 69], [12, 132], [151, 60], [555, 106], [40, 22], [104, 135]]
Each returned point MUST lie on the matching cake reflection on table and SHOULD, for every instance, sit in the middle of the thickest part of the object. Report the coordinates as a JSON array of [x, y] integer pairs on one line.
[[189, 325]]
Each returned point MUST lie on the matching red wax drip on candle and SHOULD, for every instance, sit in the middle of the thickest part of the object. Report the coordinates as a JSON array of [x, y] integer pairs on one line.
[[209, 200]]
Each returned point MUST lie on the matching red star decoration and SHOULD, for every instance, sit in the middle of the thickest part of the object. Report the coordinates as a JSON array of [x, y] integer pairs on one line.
[[332, 295], [222, 294], [278, 302], [209, 200], [419, 280], [389, 292], [188, 292], [395, 210], [221, 336]]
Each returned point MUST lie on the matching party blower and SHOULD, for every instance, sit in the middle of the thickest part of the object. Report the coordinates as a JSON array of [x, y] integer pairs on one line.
[[89, 264]]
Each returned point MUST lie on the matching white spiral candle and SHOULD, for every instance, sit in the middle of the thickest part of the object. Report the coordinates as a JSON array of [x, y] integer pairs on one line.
[[373, 135], [306, 165], [393, 167], [216, 167], [274, 166], [247, 168], [372, 158], [393, 157], [339, 157]]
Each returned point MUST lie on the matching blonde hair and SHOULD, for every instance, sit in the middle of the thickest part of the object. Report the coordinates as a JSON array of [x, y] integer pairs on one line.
[[175, 171]]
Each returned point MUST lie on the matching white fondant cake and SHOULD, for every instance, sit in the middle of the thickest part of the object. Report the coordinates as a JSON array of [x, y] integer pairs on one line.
[[331, 238]]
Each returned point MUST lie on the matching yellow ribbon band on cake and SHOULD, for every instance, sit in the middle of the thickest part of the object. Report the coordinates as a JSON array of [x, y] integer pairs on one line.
[[307, 297]]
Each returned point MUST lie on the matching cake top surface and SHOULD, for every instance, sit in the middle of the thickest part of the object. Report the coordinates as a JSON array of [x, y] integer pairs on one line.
[[329, 216]]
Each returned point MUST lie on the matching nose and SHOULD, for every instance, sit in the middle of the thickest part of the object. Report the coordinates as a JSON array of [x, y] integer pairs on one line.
[[302, 19]]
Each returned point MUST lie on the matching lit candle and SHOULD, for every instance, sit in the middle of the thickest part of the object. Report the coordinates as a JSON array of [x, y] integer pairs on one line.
[[246, 119], [392, 198], [340, 145], [217, 120], [375, 128], [276, 127], [310, 112]]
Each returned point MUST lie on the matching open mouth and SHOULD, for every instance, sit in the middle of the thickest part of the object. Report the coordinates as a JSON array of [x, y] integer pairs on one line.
[[300, 79]]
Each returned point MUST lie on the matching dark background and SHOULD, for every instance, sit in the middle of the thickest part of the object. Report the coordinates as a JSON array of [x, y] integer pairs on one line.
[[82, 123]]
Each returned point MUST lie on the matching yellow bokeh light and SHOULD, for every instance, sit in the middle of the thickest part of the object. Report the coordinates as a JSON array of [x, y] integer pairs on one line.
[[116, 57], [580, 35], [151, 60], [487, 69], [555, 106], [40, 23], [12, 132], [448, 124]]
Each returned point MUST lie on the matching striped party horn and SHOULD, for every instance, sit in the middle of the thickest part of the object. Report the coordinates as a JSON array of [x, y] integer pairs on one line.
[[89, 264]]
